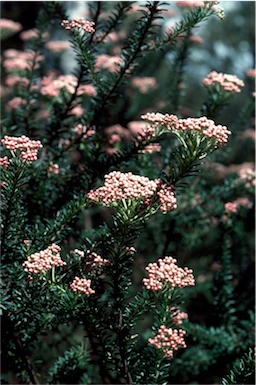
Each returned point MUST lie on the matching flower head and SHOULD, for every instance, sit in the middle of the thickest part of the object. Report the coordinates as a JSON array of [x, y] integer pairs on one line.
[[79, 23], [226, 82], [10, 26], [169, 123], [15, 103], [21, 60], [251, 73], [190, 4], [95, 261], [230, 207], [167, 197], [120, 185], [144, 84], [111, 63], [83, 285], [28, 148], [4, 162], [166, 271], [178, 316], [168, 340], [57, 46], [44, 260], [53, 168]]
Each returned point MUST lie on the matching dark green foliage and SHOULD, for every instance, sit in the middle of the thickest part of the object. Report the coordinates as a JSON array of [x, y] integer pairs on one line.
[[242, 372], [55, 335], [69, 367]]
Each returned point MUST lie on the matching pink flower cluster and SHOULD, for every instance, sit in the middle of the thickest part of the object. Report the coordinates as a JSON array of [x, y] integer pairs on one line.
[[54, 168], [150, 148], [13, 80], [190, 4], [86, 131], [144, 84], [51, 86], [20, 60], [206, 126], [6, 24], [29, 146], [179, 316], [78, 111], [79, 23], [87, 89], [94, 260], [32, 34], [44, 260], [167, 197], [4, 162], [196, 39], [131, 250], [243, 202], [168, 340], [16, 102], [57, 46], [78, 252], [229, 83], [83, 285], [158, 121], [166, 270], [120, 185], [230, 207], [163, 119], [194, 3], [247, 176], [111, 63], [251, 73], [172, 122]]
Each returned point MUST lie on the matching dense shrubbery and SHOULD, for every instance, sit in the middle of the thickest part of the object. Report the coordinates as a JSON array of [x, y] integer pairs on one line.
[[110, 186]]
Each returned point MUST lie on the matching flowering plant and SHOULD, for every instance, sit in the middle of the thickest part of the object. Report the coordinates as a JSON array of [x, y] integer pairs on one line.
[[94, 163]]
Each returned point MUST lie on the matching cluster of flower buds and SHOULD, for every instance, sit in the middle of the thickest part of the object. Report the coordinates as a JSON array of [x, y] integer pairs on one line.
[[21, 60], [10, 25], [206, 126], [79, 23], [130, 250], [229, 83], [230, 207], [83, 285], [85, 131], [44, 260], [168, 340], [4, 162], [53, 168], [170, 123], [158, 121], [95, 261], [178, 315], [120, 185], [107, 62], [251, 73], [29, 148], [167, 197], [144, 84], [77, 252], [190, 4], [166, 271]]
